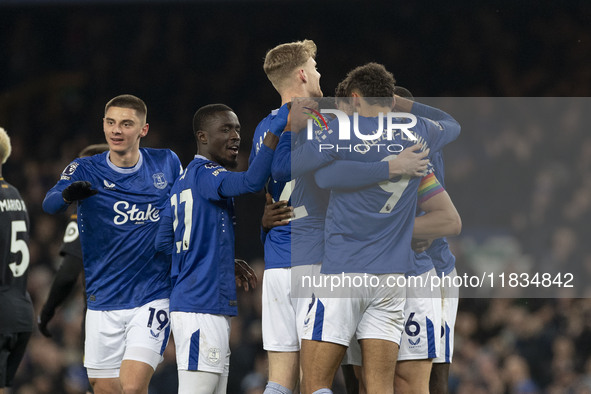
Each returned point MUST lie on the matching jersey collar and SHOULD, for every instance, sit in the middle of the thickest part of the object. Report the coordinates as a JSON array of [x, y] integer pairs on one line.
[[126, 170]]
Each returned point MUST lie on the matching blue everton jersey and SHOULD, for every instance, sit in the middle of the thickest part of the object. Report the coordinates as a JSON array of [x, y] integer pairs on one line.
[[309, 204], [350, 175], [118, 226], [203, 247], [277, 247], [370, 230]]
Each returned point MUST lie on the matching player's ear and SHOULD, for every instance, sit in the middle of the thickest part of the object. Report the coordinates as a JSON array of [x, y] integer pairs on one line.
[[355, 99], [302, 75], [201, 137], [145, 129]]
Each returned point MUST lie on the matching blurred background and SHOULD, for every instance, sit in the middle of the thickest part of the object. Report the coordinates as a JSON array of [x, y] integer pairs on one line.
[[523, 188]]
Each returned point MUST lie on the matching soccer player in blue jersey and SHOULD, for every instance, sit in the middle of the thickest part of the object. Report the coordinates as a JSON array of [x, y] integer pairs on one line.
[[199, 231], [120, 195], [291, 68], [359, 241], [419, 342]]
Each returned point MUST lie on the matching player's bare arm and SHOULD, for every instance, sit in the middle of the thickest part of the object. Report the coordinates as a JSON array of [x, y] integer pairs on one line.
[[441, 220]]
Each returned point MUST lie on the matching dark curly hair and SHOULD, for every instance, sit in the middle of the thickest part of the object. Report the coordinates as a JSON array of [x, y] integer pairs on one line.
[[340, 93], [372, 81]]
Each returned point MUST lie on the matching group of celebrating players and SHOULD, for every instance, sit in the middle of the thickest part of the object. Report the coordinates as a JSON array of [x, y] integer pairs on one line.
[[158, 242]]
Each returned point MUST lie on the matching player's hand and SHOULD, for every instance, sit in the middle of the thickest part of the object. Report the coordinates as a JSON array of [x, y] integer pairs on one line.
[[420, 245], [301, 108], [275, 214], [43, 320], [409, 162], [278, 124], [78, 190], [245, 276]]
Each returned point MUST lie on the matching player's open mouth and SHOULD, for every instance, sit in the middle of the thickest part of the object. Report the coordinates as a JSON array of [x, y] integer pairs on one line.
[[234, 149]]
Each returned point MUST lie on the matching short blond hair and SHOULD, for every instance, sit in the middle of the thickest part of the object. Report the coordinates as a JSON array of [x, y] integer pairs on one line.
[[283, 59], [5, 147]]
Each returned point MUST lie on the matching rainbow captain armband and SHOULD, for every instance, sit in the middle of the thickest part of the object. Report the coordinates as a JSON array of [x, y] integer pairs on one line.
[[429, 187]]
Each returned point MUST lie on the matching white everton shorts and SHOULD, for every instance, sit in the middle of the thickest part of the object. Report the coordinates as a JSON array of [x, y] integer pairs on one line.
[[284, 306], [420, 337], [139, 334], [449, 303], [202, 341], [353, 353], [374, 312]]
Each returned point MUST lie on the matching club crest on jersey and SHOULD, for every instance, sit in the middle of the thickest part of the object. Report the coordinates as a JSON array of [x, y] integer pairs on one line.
[[160, 181], [214, 355]]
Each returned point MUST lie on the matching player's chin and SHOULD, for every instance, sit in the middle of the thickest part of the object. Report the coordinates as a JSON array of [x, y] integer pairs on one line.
[[233, 156], [115, 145], [116, 148], [233, 163], [230, 161]]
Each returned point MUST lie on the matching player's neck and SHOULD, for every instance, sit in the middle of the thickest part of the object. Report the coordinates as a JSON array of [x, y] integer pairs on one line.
[[126, 159], [205, 153], [288, 94]]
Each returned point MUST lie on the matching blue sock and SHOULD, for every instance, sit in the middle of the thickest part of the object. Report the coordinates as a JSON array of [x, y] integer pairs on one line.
[[276, 388]]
